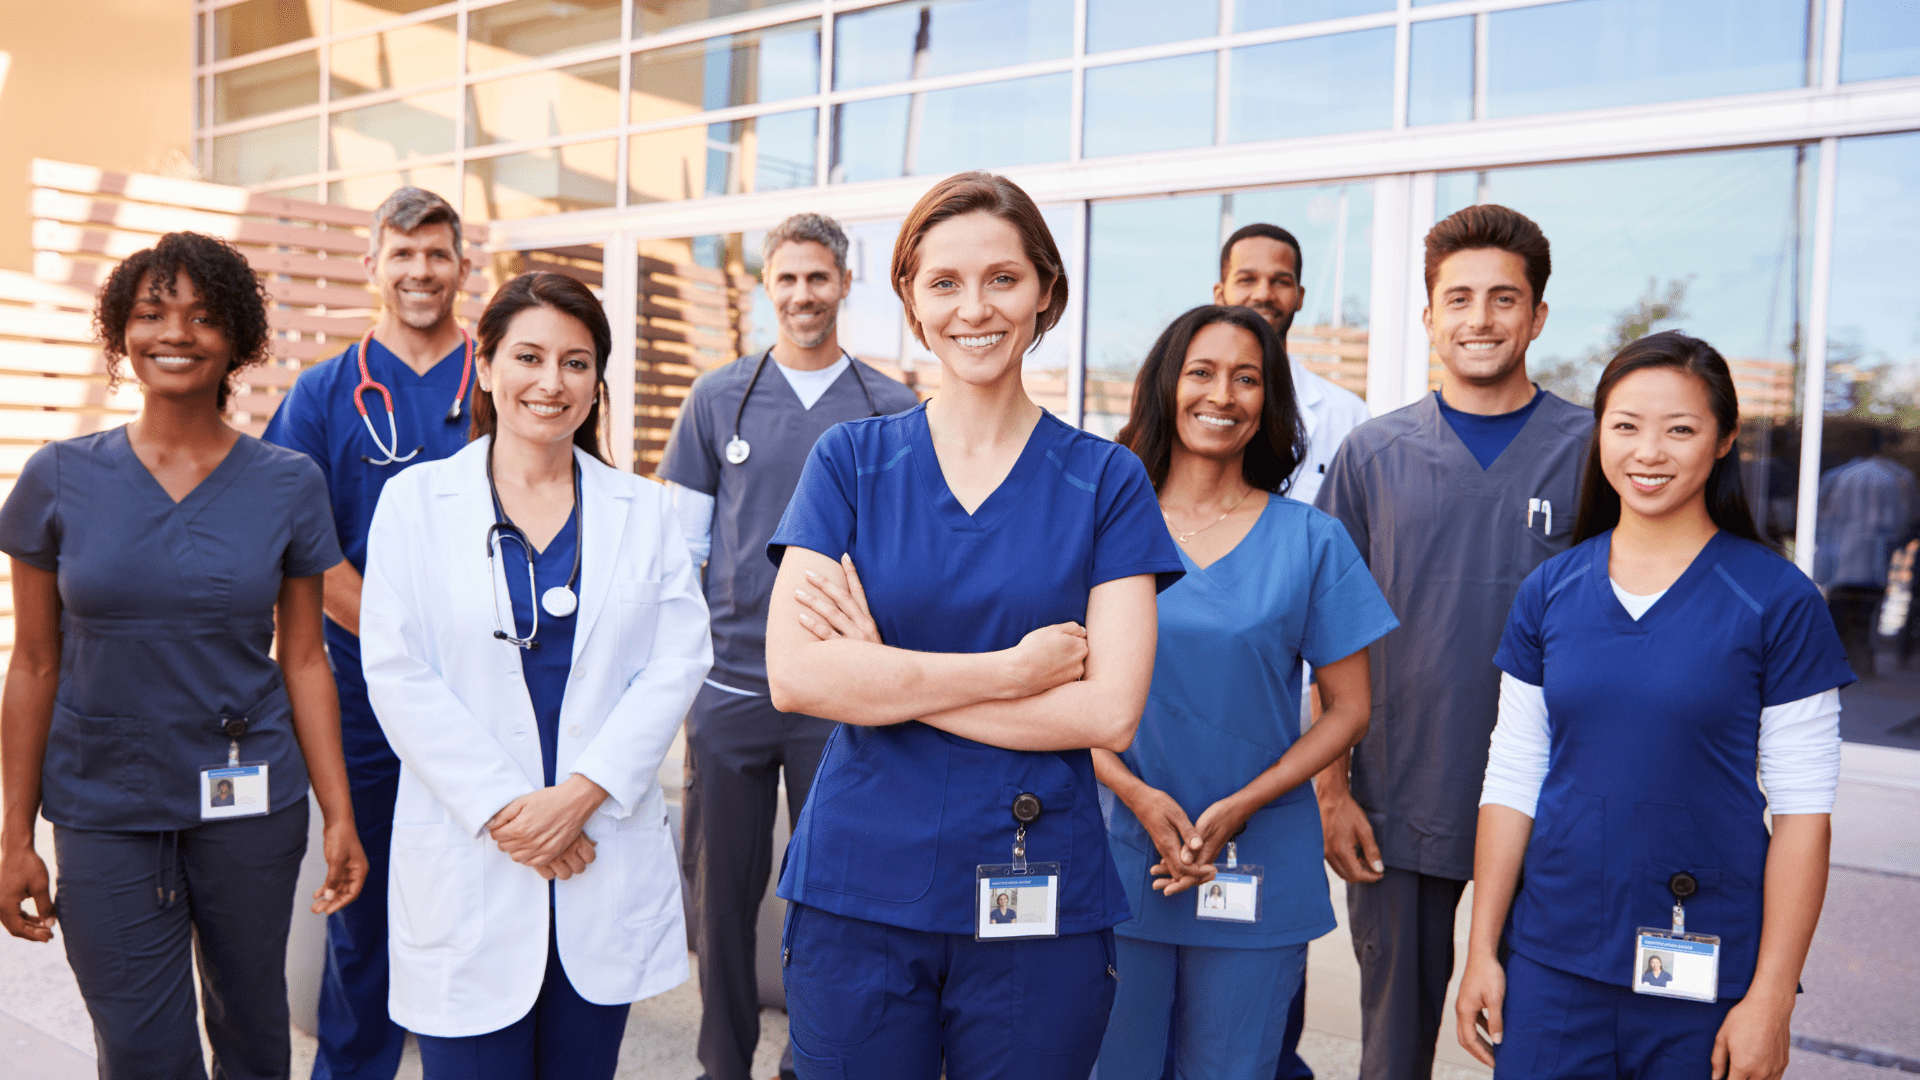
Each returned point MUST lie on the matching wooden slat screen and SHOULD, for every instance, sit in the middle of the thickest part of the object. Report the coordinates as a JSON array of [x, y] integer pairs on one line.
[[691, 319]]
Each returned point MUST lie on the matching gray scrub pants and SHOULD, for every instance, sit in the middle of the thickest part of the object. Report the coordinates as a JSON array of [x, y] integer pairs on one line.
[[736, 748], [1403, 937], [137, 909]]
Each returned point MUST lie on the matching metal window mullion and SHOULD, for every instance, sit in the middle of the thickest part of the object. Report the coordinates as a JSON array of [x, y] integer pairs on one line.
[[460, 84], [619, 261], [1830, 44], [823, 115], [1387, 293], [1077, 362], [1814, 356], [1482, 63], [1223, 75], [1077, 96], [1402, 54], [623, 145], [1420, 211]]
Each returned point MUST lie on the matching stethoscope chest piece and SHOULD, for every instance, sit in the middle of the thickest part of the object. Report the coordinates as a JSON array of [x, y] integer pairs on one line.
[[737, 450], [559, 601]]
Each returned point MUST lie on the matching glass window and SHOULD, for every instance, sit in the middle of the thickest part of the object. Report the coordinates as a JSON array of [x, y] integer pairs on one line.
[[1260, 14], [394, 131], [268, 153], [774, 64], [524, 29], [1017, 122], [1151, 105], [421, 53], [584, 97], [1122, 24], [259, 24], [1881, 40], [541, 182], [653, 16], [1313, 86], [1596, 53], [354, 14], [286, 83], [1440, 72], [1334, 224], [946, 37], [368, 192], [762, 153]]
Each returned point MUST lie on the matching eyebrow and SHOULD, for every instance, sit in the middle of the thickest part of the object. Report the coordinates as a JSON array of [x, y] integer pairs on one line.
[[1004, 264], [1667, 416]]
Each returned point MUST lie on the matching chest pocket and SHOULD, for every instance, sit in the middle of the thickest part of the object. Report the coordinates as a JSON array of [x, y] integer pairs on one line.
[[639, 612]]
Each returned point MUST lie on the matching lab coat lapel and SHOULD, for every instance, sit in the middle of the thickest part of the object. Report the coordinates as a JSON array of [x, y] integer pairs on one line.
[[604, 512], [1306, 396], [461, 494]]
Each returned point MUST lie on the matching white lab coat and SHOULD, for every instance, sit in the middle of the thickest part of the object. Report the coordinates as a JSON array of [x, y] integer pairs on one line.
[[1328, 412], [468, 925]]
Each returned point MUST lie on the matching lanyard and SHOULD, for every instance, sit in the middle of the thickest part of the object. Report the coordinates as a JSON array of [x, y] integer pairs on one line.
[[390, 450], [738, 448]]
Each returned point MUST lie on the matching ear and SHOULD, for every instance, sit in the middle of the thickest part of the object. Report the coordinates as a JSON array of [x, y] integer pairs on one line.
[[1220, 293], [1539, 319], [1426, 320]]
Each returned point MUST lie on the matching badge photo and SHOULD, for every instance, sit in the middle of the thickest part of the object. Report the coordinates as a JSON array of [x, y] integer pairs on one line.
[[233, 789], [1232, 896]]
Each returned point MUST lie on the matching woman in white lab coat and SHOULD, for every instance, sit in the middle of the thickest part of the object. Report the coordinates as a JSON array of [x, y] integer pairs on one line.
[[530, 690]]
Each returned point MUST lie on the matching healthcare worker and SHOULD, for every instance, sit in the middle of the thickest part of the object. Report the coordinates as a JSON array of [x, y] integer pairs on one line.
[[1220, 772], [396, 398], [1659, 932], [732, 463], [1452, 501], [159, 570], [1000, 624], [531, 691]]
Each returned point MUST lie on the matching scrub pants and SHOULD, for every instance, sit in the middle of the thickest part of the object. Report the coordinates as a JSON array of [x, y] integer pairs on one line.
[[1292, 1065], [357, 1038], [138, 909], [1403, 938], [867, 1001], [1572, 1028], [736, 749], [1213, 1014]]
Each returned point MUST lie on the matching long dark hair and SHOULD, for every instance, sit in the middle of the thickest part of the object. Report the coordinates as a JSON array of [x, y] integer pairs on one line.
[[1726, 497], [1276, 449], [544, 288]]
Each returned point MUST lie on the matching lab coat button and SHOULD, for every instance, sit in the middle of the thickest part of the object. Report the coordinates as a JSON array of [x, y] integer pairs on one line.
[[573, 730]]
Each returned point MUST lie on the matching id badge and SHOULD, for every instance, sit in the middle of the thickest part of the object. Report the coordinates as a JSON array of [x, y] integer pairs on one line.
[[1676, 965], [1234, 893], [1017, 903], [233, 789]]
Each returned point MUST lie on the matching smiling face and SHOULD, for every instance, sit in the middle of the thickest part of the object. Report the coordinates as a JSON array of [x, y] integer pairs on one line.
[[1654, 965], [977, 297], [174, 345], [1001, 901], [1221, 391], [1481, 316], [1659, 442], [541, 376], [418, 274], [806, 289], [1261, 275]]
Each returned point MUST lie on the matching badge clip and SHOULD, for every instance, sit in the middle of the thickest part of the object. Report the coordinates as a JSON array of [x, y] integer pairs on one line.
[[1234, 893], [234, 788], [1019, 899], [1672, 962]]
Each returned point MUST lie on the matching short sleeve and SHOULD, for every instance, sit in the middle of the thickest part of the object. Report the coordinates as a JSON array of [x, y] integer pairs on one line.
[[689, 460], [300, 421], [1803, 654], [1346, 611], [1522, 652], [1130, 536], [820, 516], [1343, 495], [313, 544], [30, 519]]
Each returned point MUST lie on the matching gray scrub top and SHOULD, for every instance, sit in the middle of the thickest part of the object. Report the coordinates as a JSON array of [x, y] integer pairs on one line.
[[1449, 544], [749, 498], [166, 621]]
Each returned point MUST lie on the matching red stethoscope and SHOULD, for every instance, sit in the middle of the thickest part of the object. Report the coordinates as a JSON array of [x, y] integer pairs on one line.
[[391, 448]]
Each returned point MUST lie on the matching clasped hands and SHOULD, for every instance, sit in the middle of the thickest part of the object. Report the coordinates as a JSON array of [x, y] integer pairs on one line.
[[545, 829], [1187, 848]]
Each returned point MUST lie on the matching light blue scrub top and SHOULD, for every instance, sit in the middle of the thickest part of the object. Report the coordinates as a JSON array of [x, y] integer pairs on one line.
[[1225, 705]]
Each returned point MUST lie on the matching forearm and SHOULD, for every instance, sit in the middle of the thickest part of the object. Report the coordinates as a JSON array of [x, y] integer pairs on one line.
[[316, 724], [1113, 772], [26, 714], [872, 685], [1796, 887], [342, 600], [1329, 740], [1499, 847], [1074, 716], [1330, 784]]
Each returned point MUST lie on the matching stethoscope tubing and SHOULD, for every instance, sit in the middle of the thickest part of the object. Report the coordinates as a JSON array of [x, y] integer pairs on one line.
[[759, 366], [503, 528], [390, 450]]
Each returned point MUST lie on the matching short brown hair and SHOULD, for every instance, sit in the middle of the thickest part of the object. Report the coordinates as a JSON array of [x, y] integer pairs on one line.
[[1491, 226], [971, 192]]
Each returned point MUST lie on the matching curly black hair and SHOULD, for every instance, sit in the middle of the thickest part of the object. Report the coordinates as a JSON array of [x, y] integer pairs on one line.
[[233, 294]]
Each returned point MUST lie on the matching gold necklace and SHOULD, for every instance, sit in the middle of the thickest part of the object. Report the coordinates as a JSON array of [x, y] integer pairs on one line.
[[1184, 537]]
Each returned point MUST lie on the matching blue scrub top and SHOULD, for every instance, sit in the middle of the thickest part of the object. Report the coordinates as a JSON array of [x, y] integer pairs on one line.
[[901, 815], [166, 621], [318, 418], [1654, 731], [547, 667], [1225, 705]]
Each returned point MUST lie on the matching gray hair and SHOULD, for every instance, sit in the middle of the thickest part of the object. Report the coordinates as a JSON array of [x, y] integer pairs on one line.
[[808, 228], [409, 208]]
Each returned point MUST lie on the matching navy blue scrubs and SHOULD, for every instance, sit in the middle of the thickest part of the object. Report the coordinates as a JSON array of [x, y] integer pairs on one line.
[[1655, 728], [318, 418], [881, 867]]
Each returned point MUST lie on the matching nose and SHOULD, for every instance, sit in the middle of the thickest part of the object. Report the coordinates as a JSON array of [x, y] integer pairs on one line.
[[974, 306], [177, 329], [1480, 314], [550, 380]]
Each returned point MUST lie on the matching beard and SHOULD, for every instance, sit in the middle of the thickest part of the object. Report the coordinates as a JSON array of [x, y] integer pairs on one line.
[[420, 317], [1281, 323], [819, 336]]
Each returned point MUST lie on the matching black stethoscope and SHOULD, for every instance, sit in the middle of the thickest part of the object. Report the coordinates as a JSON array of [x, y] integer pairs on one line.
[[737, 448], [559, 601]]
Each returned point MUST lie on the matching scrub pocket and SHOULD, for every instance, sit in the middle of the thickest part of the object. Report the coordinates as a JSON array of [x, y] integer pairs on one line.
[[835, 972], [1564, 872], [438, 889], [94, 763], [1067, 986]]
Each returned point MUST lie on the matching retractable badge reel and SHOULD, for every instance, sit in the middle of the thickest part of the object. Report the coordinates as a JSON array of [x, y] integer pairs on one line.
[[1234, 893], [233, 788], [1673, 963], [1019, 899]]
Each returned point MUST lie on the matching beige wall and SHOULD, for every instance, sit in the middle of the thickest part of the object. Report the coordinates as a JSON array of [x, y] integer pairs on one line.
[[107, 83]]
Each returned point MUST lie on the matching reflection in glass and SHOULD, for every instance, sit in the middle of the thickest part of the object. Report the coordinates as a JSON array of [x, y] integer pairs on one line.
[[1260, 14], [1596, 53], [1881, 40], [1334, 224], [946, 37], [286, 83], [259, 24], [1123, 24], [1313, 86], [354, 14], [763, 153], [421, 53], [1151, 105], [524, 29], [368, 192], [584, 97], [269, 153], [773, 64], [1017, 122], [394, 131], [653, 16], [575, 177], [1440, 72]]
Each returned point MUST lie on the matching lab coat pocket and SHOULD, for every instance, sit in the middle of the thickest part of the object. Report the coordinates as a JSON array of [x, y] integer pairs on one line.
[[639, 611], [649, 873], [438, 889]]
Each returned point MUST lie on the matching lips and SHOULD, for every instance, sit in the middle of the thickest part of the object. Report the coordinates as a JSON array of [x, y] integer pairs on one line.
[[980, 341], [1648, 484], [545, 410], [174, 363], [1218, 423]]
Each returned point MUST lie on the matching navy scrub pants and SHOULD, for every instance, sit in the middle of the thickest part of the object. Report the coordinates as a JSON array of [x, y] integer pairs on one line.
[[358, 1040], [1403, 939], [1567, 1027], [1199, 1013], [139, 909], [867, 1001]]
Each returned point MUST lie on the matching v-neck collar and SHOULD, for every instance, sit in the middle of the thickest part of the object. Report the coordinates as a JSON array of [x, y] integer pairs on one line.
[[1461, 460], [995, 505], [1259, 523], [388, 368], [209, 487], [1602, 583]]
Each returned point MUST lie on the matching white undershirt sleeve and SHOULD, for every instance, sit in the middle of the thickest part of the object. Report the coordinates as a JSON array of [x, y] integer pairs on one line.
[[696, 519], [1517, 757], [1800, 754]]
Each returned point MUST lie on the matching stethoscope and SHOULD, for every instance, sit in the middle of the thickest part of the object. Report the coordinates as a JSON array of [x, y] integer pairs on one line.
[[737, 448], [559, 601], [391, 449]]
